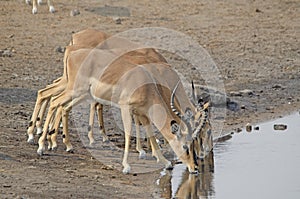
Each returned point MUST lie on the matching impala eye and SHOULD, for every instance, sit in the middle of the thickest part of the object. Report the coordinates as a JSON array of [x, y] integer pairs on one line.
[[174, 127], [186, 148]]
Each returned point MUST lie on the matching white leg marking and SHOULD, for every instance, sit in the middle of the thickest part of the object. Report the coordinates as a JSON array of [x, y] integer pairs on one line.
[[30, 139], [34, 10], [52, 9], [142, 154], [39, 131]]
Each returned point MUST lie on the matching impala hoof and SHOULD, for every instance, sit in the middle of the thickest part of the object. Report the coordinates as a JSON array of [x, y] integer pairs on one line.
[[126, 170], [142, 154], [169, 166], [51, 9], [39, 131], [40, 152], [71, 150], [30, 140], [34, 10], [54, 148]]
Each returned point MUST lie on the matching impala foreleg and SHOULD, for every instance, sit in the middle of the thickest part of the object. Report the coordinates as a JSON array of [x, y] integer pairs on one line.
[[126, 117], [50, 5], [155, 148]]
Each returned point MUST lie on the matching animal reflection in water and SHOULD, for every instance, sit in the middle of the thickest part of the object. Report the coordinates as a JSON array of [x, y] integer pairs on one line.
[[179, 183]]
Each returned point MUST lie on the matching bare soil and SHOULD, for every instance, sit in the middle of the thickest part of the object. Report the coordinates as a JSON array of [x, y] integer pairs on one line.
[[255, 45]]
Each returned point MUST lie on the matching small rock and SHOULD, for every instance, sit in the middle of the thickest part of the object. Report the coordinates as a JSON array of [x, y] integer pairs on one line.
[[243, 107], [235, 93], [60, 49], [238, 130], [269, 108], [117, 20], [107, 167], [5, 53], [248, 127], [246, 92], [74, 12], [257, 10], [280, 127], [278, 86], [256, 128]]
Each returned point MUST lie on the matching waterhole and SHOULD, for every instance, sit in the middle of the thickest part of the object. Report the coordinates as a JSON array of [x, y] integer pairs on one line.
[[263, 163]]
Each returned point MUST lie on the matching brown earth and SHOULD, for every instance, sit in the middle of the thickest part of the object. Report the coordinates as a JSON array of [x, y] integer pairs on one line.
[[255, 45]]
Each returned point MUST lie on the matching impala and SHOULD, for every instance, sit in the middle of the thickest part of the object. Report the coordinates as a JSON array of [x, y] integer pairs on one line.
[[35, 3], [88, 38], [138, 90]]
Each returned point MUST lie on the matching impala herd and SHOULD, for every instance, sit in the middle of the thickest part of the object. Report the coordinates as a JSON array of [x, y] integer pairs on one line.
[[113, 71]]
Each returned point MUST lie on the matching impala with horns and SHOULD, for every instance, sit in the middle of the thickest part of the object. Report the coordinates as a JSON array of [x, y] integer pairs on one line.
[[35, 4], [86, 38], [100, 76]]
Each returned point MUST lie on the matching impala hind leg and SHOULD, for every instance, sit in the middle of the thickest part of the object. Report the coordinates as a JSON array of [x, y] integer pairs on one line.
[[91, 123], [42, 100], [126, 117], [61, 99], [138, 140], [65, 115], [40, 117], [42, 139], [99, 108], [52, 135]]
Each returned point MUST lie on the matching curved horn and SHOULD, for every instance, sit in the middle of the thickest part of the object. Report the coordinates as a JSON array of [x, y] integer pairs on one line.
[[203, 120], [176, 111], [193, 93]]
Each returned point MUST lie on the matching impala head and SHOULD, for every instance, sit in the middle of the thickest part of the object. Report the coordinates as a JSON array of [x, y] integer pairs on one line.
[[196, 130]]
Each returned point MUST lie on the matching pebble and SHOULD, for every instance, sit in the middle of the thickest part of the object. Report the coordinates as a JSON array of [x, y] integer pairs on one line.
[[256, 128], [60, 49], [245, 92], [278, 86], [248, 127], [117, 20], [238, 130], [280, 127], [5, 53], [74, 12]]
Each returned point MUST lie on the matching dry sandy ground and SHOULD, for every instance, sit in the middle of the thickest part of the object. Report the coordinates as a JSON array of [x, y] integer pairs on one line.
[[255, 45]]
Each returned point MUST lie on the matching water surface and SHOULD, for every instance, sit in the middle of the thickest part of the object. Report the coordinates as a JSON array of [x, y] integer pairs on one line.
[[264, 163]]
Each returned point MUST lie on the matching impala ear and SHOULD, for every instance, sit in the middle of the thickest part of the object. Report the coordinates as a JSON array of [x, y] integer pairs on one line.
[[175, 128], [206, 105]]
